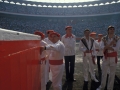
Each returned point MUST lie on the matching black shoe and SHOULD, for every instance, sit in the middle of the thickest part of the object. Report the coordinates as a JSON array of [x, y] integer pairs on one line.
[[85, 85], [67, 80]]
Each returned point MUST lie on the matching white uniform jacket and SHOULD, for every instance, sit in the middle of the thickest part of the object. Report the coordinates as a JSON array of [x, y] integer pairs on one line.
[[90, 46], [69, 43]]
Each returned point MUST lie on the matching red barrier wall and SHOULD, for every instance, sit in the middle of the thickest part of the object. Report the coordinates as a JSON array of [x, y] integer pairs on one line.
[[20, 65]]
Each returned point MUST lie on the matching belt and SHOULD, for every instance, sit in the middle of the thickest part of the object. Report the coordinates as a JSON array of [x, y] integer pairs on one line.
[[97, 49], [112, 54], [56, 62]]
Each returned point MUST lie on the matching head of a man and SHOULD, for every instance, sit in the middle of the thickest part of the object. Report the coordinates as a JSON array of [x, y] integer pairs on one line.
[[93, 35], [111, 30], [55, 37], [42, 35], [68, 30], [87, 32], [100, 36], [48, 33]]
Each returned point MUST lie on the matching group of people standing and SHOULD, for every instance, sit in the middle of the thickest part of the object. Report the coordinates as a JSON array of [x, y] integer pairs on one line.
[[55, 49]]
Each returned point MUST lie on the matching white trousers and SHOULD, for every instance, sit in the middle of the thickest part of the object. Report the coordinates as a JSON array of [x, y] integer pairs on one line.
[[88, 66], [57, 73], [110, 65], [43, 83]]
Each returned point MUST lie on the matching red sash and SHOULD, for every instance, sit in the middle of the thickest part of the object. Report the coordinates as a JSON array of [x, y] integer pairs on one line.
[[93, 58], [68, 36], [42, 59], [112, 54], [97, 49], [99, 40], [56, 62]]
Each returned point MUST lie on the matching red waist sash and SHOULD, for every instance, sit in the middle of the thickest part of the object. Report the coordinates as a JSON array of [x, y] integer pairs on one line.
[[93, 58], [43, 59], [112, 54], [56, 62]]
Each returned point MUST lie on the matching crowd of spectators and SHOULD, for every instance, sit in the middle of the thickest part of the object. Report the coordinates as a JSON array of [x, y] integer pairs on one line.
[[111, 8], [97, 24]]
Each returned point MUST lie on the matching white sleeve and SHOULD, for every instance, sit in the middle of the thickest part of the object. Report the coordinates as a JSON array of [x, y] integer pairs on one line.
[[94, 48], [96, 45], [62, 39], [102, 45], [81, 47], [117, 46], [55, 47]]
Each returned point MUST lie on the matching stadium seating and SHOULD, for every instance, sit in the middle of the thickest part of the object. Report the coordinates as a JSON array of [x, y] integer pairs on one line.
[[111, 8], [26, 24]]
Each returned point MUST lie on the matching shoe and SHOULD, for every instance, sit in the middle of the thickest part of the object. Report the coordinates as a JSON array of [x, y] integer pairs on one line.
[[99, 88], [85, 85], [67, 80]]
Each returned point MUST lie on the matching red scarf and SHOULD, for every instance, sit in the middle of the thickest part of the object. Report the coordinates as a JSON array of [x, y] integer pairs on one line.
[[68, 35], [99, 40]]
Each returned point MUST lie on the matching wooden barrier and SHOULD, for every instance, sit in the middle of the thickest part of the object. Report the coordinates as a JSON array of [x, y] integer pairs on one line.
[[19, 61]]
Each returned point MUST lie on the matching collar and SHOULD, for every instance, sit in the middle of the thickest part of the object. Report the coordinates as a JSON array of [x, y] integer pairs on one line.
[[86, 38], [111, 38], [66, 36], [99, 40]]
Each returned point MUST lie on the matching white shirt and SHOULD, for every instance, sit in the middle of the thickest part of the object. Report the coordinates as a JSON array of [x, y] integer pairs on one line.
[[83, 48], [48, 42], [116, 48], [57, 50], [43, 43], [69, 43], [100, 52]]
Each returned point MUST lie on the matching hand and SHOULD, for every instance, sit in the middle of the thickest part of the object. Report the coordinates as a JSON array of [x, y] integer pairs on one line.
[[106, 47], [51, 47], [110, 48], [105, 42], [112, 42], [47, 56]]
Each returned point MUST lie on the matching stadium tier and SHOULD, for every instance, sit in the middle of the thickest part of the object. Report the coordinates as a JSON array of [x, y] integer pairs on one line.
[[13, 8], [30, 24]]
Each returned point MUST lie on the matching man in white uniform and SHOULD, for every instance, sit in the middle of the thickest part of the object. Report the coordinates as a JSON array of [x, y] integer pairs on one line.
[[87, 46], [99, 54], [43, 60], [109, 46], [56, 60], [48, 71], [69, 40]]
